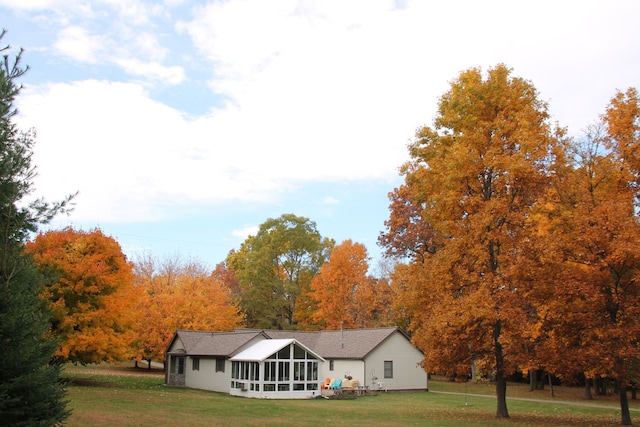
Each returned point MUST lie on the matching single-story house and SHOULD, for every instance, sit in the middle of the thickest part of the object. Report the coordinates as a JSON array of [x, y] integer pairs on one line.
[[293, 364]]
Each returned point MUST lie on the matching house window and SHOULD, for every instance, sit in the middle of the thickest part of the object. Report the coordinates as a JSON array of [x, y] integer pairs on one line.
[[195, 364], [220, 364], [298, 352], [177, 365], [244, 375], [388, 369], [283, 371], [331, 365], [270, 371]]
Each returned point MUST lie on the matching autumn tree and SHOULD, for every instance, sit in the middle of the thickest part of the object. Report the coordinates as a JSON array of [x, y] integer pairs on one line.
[[227, 278], [622, 119], [30, 390], [590, 317], [179, 294], [591, 324], [475, 176], [621, 268], [346, 295], [275, 266], [408, 235], [89, 285]]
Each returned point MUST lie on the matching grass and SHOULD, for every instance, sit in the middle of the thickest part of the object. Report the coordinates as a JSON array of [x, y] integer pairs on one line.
[[124, 396]]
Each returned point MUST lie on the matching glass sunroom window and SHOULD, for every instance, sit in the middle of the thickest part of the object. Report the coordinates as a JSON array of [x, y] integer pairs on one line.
[[245, 375]]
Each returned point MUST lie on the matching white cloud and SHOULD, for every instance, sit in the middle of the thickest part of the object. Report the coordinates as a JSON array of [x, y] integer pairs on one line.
[[152, 70], [246, 232], [329, 200], [33, 4], [317, 91], [76, 43]]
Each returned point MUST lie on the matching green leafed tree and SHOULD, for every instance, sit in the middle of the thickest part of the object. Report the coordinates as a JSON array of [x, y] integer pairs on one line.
[[30, 391], [275, 267]]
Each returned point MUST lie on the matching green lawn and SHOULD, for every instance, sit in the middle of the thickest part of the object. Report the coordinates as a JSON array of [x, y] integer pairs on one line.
[[107, 397]]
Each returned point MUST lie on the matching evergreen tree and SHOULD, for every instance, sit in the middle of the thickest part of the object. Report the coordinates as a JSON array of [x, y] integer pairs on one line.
[[30, 391]]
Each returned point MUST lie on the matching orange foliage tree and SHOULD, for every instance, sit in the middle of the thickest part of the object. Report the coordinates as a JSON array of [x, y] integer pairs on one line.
[[179, 295], [346, 296], [592, 319], [474, 179], [89, 285]]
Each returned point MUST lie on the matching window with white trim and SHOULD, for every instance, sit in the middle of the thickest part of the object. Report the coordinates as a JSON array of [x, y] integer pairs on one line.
[[388, 368]]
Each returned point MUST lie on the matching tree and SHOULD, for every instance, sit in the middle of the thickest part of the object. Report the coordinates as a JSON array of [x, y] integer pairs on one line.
[[275, 266], [593, 314], [622, 119], [89, 284], [591, 324], [346, 296], [179, 294], [477, 174], [227, 278], [30, 390], [408, 234]]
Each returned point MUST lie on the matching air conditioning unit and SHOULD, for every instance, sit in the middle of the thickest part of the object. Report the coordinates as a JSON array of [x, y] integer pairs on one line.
[[243, 386]]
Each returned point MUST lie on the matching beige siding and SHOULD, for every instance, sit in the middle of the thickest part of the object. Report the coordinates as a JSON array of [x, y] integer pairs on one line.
[[407, 374], [206, 378], [342, 368], [175, 346]]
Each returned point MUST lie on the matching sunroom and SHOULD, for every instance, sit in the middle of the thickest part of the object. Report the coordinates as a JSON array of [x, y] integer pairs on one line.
[[276, 369]]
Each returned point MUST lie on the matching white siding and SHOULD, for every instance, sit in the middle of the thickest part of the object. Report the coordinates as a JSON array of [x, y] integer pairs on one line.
[[176, 345], [407, 373], [206, 378], [342, 368]]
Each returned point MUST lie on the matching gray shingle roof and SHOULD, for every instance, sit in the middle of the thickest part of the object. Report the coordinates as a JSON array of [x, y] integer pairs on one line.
[[347, 344], [224, 344]]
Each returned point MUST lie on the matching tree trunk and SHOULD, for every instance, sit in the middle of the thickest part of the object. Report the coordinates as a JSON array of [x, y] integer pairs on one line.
[[553, 394], [136, 365], [532, 380], [149, 365], [501, 394], [587, 389], [624, 406], [501, 380]]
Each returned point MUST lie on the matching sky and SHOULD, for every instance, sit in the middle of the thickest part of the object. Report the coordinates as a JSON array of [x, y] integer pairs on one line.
[[184, 125]]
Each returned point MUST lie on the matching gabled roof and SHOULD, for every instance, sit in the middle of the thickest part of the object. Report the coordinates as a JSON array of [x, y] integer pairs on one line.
[[262, 350], [345, 344], [355, 344], [223, 344]]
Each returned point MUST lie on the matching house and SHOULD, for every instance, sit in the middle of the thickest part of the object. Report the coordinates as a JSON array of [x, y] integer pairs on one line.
[[293, 364]]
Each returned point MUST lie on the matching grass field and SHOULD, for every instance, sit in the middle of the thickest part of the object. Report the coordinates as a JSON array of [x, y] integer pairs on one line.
[[125, 396]]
